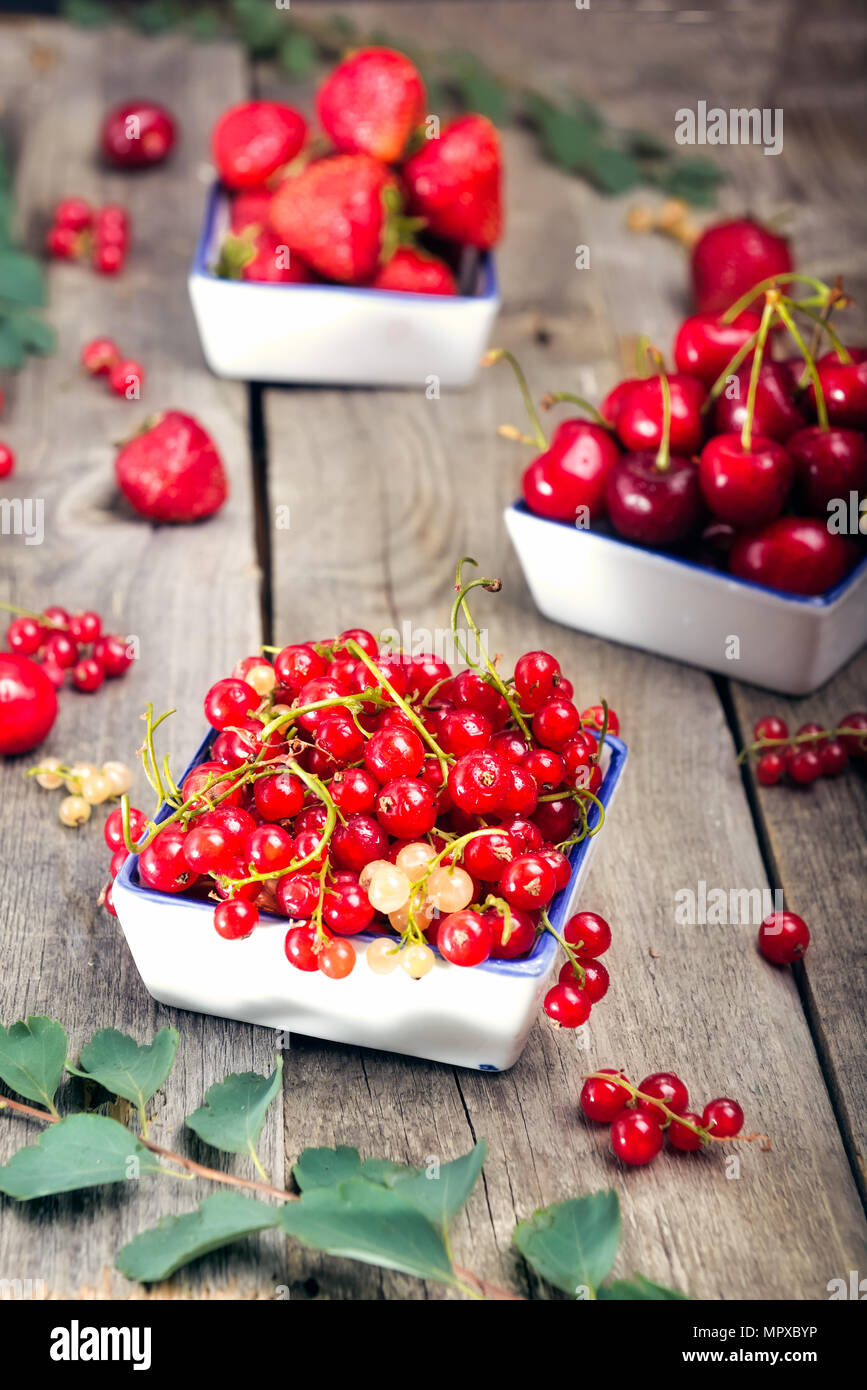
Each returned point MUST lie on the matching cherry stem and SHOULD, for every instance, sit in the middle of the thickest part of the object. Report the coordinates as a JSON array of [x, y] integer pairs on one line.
[[821, 407], [771, 306], [552, 397], [771, 283], [502, 355], [764, 745], [839, 347], [729, 370], [663, 456]]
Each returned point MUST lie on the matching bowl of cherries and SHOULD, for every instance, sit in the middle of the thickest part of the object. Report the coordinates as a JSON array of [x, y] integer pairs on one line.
[[713, 513], [377, 849]]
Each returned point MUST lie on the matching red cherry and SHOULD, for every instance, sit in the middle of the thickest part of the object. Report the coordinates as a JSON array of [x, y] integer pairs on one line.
[[783, 937], [723, 1117], [252, 140], [603, 1100], [465, 938], [28, 704], [635, 1138], [235, 918], [730, 257], [137, 133], [844, 386], [653, 506], [705, 345], [745, 486], [829, 464], [796, 554], [639, 422], [571, 473], [775, 415]]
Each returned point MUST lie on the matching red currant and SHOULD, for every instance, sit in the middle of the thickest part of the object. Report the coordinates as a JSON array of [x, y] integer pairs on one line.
[[113, 828], [803, 765], [528, 882], [522, 797], [113, 654], [126, 378], [680, 1136], [234, 822], [546, 767], [354, 789], [567, 1005], [555, 819], [536, 675], [783, 937], [235, 918], [61, 650], [487, 855], [666, 1087], [298, 895], [635, 1138], [588, 933], [346, 908], [24, 636], [87, 675], [208, 850], [85, 627], [116, 863], [337, 960], [394, 753], [73, 214], [509, 746], [603, 1100], [593, 718], [770, 727], [406, 808], [339, 738], [558, 863], [855, 744], [596, 980], [525, 833], [163, 864], [229, 702], [833, 757], [723, 1117], [269, 849], [478, 781], [465, 938], [770, 768], [522, 933], [301, 948], [99, 356], [297, 665], [279, 797], [464, 731], [361, 840], [556, 722]]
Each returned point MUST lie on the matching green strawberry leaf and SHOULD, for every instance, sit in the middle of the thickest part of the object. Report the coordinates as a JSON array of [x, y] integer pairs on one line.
[[622, 1290], [176, 1240], [125, 1067], [234, 1111], [567, 139], [362, 1220], [11, 346], [32, 1058], [21, 280], [477, 87], [80, 1151], [614, 171], [35, 335], [572, 1244]]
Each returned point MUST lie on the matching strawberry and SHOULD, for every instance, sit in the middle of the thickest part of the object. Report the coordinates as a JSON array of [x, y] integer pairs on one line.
[[172, 471], [411, 270], [249, 209], [272, 262], [372, 102], [334, 214], [251, 141], [454, 183]]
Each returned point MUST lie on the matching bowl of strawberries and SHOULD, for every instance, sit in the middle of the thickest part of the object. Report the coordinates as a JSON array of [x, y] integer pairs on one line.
[[377, 848], [714, 513], [360, 255]]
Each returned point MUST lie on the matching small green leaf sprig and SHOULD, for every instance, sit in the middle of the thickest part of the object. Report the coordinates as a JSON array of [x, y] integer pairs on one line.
[[373, 1210]]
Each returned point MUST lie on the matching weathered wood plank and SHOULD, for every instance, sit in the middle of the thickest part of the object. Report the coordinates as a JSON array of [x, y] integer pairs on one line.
[[190, 594]]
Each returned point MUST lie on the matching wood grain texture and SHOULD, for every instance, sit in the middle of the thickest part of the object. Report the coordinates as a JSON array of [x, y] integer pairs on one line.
[[410, 484], [190, 594]]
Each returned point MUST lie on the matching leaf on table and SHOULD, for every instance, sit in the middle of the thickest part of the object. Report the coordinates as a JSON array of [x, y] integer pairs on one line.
[[34, 335], [87, 14], [176, 1240], [127, 1068], [234, 1110], [479, 89], [261, 27], [624, 1290], [363, 1220], [21, 279], [32, 1057], [613, 170], [297, 54], [80, 1151], [11, 346], [568, 139], [572, 1244], [155, 16], [203, 24]]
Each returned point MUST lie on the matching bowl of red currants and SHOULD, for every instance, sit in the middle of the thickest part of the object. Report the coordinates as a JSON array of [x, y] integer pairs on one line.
[[377, 849]]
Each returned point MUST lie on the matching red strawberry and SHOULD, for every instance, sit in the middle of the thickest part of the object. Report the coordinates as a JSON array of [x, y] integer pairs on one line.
[[730, 257], [250, 209], [372, 102], [454, 182], [334, 215], [251, 141], [415, 272], [273, 263], [172, 471]]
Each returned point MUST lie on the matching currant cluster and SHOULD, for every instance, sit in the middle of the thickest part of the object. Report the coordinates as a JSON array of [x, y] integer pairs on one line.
[[87, 786], [739, 458], [124, 376], [61, 643], [351, 790], [641, 1116], [79, 231], [810, 753], [583, 978]]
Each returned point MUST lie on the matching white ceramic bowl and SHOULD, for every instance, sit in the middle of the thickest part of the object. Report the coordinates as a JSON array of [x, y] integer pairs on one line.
[[677, 608], [478, 1017], [335, 335]]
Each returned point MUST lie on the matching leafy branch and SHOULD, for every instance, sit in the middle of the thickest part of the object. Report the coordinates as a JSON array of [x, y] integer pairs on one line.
[[22, 287], [382, 1213]]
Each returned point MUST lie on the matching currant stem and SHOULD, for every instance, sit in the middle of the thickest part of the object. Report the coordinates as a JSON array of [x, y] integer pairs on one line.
[[771, 306], [502, 355], [577, 967], [764, 745], [422, 731], [460, 605]]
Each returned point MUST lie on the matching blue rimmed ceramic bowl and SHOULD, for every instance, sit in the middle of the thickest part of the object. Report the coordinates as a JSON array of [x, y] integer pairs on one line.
[[338, 335], [478, 1017], [677, 608]]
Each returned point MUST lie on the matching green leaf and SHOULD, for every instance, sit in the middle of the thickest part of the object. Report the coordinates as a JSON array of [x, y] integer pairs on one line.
[[612, 170], [203, 24], [176, 1240], [261, 26], [32, 1058], [362, 1220], [156, 17], [297, 54], [11, 346], [622, 1291], [478, 88], [572, 1244], [35, 335], [126, 1068], [87, 14], [80, 1151], [21, 279], [567, 139], [234, 1111]]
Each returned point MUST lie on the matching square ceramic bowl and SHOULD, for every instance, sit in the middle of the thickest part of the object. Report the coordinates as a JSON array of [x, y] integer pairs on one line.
[[478, 1017], [677, 608], [336, 335]]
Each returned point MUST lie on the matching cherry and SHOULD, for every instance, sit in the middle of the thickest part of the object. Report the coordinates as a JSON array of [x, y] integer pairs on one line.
[[571, 473], [770, 768], [556, 722], [844, 386], [635, 1138], [528, 882], [683, 1138], [235, 918], [28, 703], [639, 422], [394, 753], [603, 1100], [775, 416], [87, 675], [770, 727], [745, 486], [665, 1087], [537, 675], [229, 702], [353, 790], [730, 257], [85, 627], [705, 345], [487, 856], [363, 839], [113, 828], [137, 134], [296, 665], [73, 214], [24, 636], [613, 403], [829, 464], [163, 864], [522, 934], [478, 782], [723, 1117], [7, 461], [337, 960], [855, 746], [783, 937], [301, 948], [654, 506], [567, 1005], [796, 554], [588, 933], [465, 938], [99, 356], [113, 654], [298, 895], [346, 908], [834, 758], [208, 850], [803, 764]]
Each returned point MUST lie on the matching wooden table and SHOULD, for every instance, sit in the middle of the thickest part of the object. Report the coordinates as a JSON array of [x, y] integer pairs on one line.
[[385, 490]]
